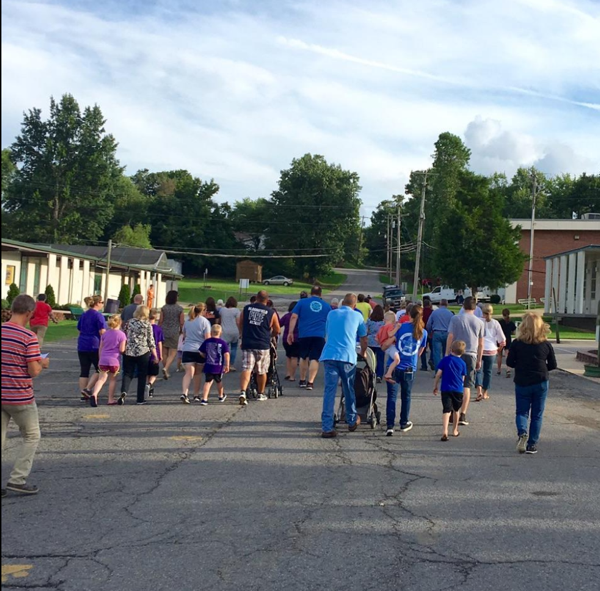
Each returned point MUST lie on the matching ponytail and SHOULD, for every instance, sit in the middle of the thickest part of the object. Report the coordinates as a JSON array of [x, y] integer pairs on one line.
[[197, 310], [416, 314]]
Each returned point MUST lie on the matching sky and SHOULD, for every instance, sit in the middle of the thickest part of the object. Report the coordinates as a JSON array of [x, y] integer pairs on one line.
[[234, 90]]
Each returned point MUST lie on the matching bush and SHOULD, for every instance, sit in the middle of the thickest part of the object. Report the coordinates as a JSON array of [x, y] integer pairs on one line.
[[50, 296], [124, 295], [13, 292], [5, 305], [136, 290], [495, 299]]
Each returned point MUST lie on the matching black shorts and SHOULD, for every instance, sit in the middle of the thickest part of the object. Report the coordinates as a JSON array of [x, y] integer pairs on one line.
[[86, 360], [217, 377], [192, 357], [153, 369], [292, 350], [471, 361], [311, 348], [452, 401]]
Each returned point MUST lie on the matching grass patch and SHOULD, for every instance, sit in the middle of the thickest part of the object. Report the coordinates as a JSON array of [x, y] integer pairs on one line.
[[66, 329], [192, 290]]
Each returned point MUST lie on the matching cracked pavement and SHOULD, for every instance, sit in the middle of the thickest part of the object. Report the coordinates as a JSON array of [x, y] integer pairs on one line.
[[169, 496]]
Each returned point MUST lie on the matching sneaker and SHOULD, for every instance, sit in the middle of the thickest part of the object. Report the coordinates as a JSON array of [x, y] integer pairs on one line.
[[93, 402], [354, 427], [243, 399], [141, 403], [508, 373], [522, 443], [151, 393], [261, 398], [309, 385], [531, 449], [203, 402], [166, 375], [406, 427], [302, 383], [379, 380], [121, 400], [462, 420], [85, 394], [389, 432], [25, 489], [223, 398], [197, 399], [329, 434], [184, 398]]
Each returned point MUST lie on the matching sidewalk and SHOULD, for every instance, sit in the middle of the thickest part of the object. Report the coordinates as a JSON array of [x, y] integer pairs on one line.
[[565, 356]]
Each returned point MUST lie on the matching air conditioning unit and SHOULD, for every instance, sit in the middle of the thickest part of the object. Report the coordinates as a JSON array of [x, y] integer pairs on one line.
[[590, 216]]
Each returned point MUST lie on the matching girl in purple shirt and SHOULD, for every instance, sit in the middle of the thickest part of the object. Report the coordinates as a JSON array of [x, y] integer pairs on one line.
[[112, 346]]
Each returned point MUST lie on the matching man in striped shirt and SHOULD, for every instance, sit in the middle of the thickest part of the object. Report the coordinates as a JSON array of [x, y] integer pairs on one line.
[[21, 362]]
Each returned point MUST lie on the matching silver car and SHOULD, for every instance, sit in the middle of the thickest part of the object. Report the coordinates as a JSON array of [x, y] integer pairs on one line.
[[278, 280]]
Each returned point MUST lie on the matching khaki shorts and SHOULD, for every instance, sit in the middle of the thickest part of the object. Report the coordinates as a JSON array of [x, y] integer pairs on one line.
[[256, 357]]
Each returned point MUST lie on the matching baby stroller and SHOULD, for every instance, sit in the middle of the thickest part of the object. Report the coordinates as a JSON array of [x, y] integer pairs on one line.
[[273, 389], [365, 391]]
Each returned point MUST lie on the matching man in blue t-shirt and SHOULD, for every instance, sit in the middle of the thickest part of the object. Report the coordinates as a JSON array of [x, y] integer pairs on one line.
[[339, 361], [452, 370], [311, 316]]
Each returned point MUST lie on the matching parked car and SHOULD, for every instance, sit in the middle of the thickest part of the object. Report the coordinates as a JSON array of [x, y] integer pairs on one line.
[[395, 298], [443, 292], [278, 280]]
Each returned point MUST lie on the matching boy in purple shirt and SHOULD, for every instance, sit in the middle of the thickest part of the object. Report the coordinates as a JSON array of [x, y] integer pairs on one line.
[[216, 352], [153, 365]]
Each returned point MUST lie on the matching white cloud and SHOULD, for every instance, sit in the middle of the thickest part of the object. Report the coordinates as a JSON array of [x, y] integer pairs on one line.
[[235, 94]]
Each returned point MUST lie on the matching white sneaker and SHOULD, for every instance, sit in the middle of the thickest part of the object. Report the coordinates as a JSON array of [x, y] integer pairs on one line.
[[407, 427], [261, 398], [243, 400], [223, 398], [522, 443], [147, 392], [389, 432], [185, 399]]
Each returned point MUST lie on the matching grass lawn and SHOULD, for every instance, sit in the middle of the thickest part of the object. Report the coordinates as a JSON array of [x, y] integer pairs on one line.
[[192, 290], [67, 329]]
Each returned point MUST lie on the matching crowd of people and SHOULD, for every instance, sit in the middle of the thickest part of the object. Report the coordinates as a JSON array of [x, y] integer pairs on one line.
[[205, 341]]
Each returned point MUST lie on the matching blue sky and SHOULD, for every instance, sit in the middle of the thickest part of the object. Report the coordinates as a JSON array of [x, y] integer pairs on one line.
[[234, 90]]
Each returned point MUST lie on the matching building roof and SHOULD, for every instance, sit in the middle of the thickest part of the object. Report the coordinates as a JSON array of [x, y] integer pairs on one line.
[[574, 250], [567, 225]]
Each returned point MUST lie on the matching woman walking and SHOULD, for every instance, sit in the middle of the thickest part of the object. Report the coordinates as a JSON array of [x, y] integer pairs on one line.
[[171, 321], [140, 349], [211, 313], [493, 343], [411, 340], [532, 357], [374, 324], [292, 352], [91, 327], [196, 330], [229, 315]]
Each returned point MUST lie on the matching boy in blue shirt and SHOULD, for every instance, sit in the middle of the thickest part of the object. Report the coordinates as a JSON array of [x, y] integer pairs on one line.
[[452, 371]]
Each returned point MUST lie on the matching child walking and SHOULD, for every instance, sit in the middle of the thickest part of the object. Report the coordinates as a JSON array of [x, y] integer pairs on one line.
[[216, 352], [452, 371], [389, 329], [154, 364], [112, 346]]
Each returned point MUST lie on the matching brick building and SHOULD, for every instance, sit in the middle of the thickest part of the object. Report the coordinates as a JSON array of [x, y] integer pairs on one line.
[[550, 237]]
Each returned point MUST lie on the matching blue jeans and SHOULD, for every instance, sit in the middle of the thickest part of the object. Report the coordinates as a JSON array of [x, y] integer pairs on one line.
[[483, 377], [380, 354], [438, 347], [336, 371], [530, 399], [233, 347], [424, 359], [405, 383]]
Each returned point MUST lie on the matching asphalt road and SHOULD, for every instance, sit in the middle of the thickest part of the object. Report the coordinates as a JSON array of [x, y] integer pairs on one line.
[[174, 497]]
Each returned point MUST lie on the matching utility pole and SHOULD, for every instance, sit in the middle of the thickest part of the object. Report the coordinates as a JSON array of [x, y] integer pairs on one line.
[[419, 240], [108, 256], [388, 269], [398, 222], [360, 239], [531, 236]]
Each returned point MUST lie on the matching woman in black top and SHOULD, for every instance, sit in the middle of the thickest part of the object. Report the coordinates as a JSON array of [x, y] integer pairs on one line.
[[212, 314], [532, 357]]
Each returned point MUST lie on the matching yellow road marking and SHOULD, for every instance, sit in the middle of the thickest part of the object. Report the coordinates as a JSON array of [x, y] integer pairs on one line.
[[189, 438], [16, 571], [96, 417]]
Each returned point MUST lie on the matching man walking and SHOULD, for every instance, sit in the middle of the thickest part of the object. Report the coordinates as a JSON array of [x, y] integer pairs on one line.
[[129, 311], [468, 328], [437, 326], [257, 324], [339, 361], [21, 362], [311, 316]]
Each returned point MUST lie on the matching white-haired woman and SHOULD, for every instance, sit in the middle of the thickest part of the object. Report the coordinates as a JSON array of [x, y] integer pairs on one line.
[[493, 343]]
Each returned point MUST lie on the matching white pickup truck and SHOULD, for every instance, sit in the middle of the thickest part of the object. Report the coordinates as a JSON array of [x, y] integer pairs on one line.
[[443, 292]]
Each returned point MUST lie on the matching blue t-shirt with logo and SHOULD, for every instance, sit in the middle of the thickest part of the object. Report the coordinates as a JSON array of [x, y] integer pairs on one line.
[[453, 370], [408, 347], [343, 328], [312, 317]]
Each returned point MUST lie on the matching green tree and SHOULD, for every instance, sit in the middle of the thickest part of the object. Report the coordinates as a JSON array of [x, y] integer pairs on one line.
[[8, 170], [138, 236], [476, 245], [376, 234], [124, 295], [519, 195], [13, 292], [50, 296], [252, 217], [64, 186], [585, 195], [136, 291], [315, 209]]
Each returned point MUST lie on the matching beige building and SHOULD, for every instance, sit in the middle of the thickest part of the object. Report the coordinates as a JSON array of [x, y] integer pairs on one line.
[[78, 271]]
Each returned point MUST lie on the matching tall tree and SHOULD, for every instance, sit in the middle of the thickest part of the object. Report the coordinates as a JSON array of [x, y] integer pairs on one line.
[[252, 218], [138, 236], [315, 209], [476, 245], [519, 195], [8, 170], [64, 186]]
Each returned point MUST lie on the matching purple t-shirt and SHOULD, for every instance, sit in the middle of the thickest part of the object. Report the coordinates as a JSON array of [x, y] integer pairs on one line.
[[285, 324], [89, 326], [158, 338], [214, 350], [111, 341]]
